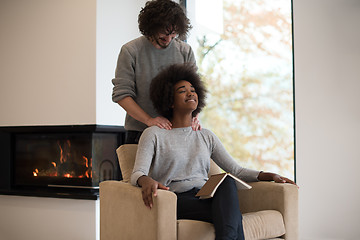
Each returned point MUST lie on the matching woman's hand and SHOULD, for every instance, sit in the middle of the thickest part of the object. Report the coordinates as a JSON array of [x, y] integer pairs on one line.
[[149, 187], [161, 122], [279, 179], [267, 176]]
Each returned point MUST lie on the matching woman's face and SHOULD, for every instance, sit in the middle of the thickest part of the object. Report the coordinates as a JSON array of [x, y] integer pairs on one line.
[[185, 97]]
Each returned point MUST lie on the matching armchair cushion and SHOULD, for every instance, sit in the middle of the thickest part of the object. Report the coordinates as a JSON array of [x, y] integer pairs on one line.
[[259, 225], [263, 224]]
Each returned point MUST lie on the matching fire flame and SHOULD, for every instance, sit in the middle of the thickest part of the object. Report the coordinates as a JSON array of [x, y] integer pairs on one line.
[[86, 161], [65, 151], [36, 172], [65, 155]]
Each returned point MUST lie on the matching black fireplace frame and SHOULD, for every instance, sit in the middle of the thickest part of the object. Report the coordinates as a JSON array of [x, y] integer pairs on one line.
[[7, 148]]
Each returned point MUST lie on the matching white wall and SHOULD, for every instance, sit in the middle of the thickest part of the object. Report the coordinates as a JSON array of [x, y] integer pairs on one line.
[[47, 62], [48, 218], [327, 81]]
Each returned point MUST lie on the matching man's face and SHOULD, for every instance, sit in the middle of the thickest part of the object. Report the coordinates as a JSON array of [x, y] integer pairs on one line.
[[162, 40]]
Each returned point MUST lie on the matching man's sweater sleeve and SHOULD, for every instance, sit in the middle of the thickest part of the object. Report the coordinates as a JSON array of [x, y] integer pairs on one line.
[[124, 81]]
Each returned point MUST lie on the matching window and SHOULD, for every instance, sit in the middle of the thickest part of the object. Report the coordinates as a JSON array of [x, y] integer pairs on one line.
[[244, 51]]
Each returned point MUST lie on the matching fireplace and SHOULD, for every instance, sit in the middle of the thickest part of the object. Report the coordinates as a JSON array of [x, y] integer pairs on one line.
[[59, 161]]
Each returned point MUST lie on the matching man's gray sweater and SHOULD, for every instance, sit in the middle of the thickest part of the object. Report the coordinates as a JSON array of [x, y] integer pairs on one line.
[[180, 158], [138, 63]]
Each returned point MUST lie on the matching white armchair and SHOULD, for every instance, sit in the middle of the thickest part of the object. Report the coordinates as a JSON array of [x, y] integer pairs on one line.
[[270, 210]]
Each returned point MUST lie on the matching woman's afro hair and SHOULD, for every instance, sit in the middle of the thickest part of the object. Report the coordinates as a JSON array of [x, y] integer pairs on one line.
[[162, 88]]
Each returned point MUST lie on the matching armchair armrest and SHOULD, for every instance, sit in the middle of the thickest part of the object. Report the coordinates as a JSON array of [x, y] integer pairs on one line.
[[273, 196], [122, 207]]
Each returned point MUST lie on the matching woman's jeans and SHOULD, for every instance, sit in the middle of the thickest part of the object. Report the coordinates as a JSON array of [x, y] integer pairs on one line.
[[222, 210]]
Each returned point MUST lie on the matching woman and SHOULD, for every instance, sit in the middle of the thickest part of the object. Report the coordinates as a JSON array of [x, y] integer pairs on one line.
[[179, 159]]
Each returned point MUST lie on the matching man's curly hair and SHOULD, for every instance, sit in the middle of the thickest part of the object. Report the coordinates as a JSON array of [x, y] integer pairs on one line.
[[163, 15], [162, 88]]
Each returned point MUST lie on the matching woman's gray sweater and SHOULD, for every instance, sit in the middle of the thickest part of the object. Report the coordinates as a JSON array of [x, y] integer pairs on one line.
[[180, 158]]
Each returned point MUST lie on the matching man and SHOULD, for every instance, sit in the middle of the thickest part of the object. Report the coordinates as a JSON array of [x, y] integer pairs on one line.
[[162, 23]]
